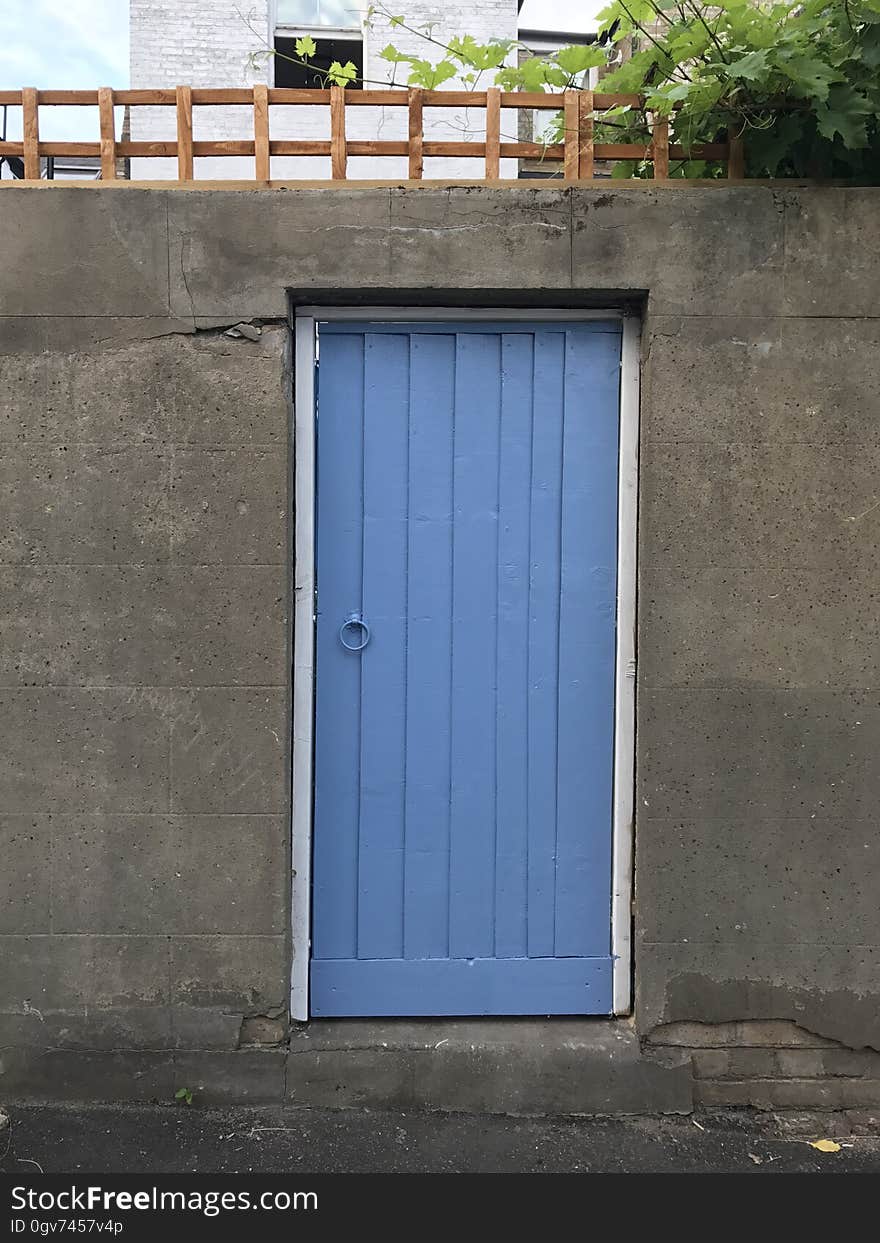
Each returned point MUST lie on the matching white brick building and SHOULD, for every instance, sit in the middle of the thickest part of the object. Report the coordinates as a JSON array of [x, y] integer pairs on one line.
[[210, 43]]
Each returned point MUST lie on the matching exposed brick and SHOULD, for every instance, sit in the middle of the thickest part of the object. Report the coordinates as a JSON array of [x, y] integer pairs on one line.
[[801, 1063], [779, 1034], [820, 1094], [711, 1063], [695, 1035], [753, 1064], [770, 1034], [852, 1062], [730, 1094], [823, 1093]]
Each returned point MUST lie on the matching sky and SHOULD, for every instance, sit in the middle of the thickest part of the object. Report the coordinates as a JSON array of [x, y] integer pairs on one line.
[[572, 16], [84, 43], [63, 44]]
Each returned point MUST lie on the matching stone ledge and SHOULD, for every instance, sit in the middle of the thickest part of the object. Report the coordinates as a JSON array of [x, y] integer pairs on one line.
[[528, 1067]]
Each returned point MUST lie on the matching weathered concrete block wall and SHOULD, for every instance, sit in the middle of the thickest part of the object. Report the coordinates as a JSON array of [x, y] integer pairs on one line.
[[146, 568], [144, 672]]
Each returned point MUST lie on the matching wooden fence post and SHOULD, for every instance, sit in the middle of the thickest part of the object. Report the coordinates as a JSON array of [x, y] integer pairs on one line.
[[262, 163], [108, 133], [736, 159], [416, 134], [660, 147], [30, 133], [184, 133], [585, 130], [571, 121], [338, 158], [493, 133]]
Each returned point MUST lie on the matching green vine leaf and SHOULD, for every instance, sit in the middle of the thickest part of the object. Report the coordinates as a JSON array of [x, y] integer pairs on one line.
[[810, 76], [428, 76], [771, 147], [869, 51], [749, 68], [479, 56], [342, 75], [575, 60], [846, 114], [390, 53], [534, 74]]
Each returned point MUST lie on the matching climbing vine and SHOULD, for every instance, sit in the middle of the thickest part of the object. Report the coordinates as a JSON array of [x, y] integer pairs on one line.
[[798, 80]]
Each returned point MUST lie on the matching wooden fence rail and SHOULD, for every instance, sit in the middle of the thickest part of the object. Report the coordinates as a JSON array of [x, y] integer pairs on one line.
[[577, 154]]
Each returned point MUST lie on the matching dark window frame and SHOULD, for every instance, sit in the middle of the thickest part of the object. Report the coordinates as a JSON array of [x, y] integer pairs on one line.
[[334, 45]]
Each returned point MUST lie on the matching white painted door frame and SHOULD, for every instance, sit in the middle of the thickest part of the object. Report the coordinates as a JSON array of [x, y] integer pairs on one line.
[[305, 329]]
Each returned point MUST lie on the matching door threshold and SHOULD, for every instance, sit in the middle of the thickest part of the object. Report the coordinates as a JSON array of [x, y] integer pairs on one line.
[[521, 1066]]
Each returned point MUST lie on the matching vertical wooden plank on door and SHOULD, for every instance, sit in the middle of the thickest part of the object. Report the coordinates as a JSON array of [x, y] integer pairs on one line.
[[474, 635], [383, 672], [588, 583], [545, 520], [432, 395], [512, 751], [339, 566]]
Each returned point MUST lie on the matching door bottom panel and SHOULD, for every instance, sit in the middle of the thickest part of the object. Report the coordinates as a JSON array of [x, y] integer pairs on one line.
[[411, 988]]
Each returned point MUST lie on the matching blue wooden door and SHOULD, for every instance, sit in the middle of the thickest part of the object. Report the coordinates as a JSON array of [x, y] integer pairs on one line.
[[466, 562]]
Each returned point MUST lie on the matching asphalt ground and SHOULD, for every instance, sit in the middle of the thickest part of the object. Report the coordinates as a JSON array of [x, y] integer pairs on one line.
[[179, 1139]]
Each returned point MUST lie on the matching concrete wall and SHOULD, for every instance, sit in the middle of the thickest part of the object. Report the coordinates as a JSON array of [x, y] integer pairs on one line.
[[208, 43], [144, 663]]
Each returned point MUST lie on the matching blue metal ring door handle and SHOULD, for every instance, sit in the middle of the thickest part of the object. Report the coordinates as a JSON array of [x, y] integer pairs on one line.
[[354, 619]]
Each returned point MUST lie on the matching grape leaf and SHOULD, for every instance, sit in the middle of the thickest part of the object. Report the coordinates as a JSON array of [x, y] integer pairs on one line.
[[576, 59], [534, 74], [808, 75], [342, 75], [749, 68], [845, 113], [428, 76]]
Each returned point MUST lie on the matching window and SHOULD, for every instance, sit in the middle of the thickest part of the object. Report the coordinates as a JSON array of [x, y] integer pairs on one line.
[[342, 21], [343, 14], [335, 48]]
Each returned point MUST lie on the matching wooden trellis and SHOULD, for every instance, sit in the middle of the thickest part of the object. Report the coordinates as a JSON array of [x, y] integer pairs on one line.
[[577, 155]]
